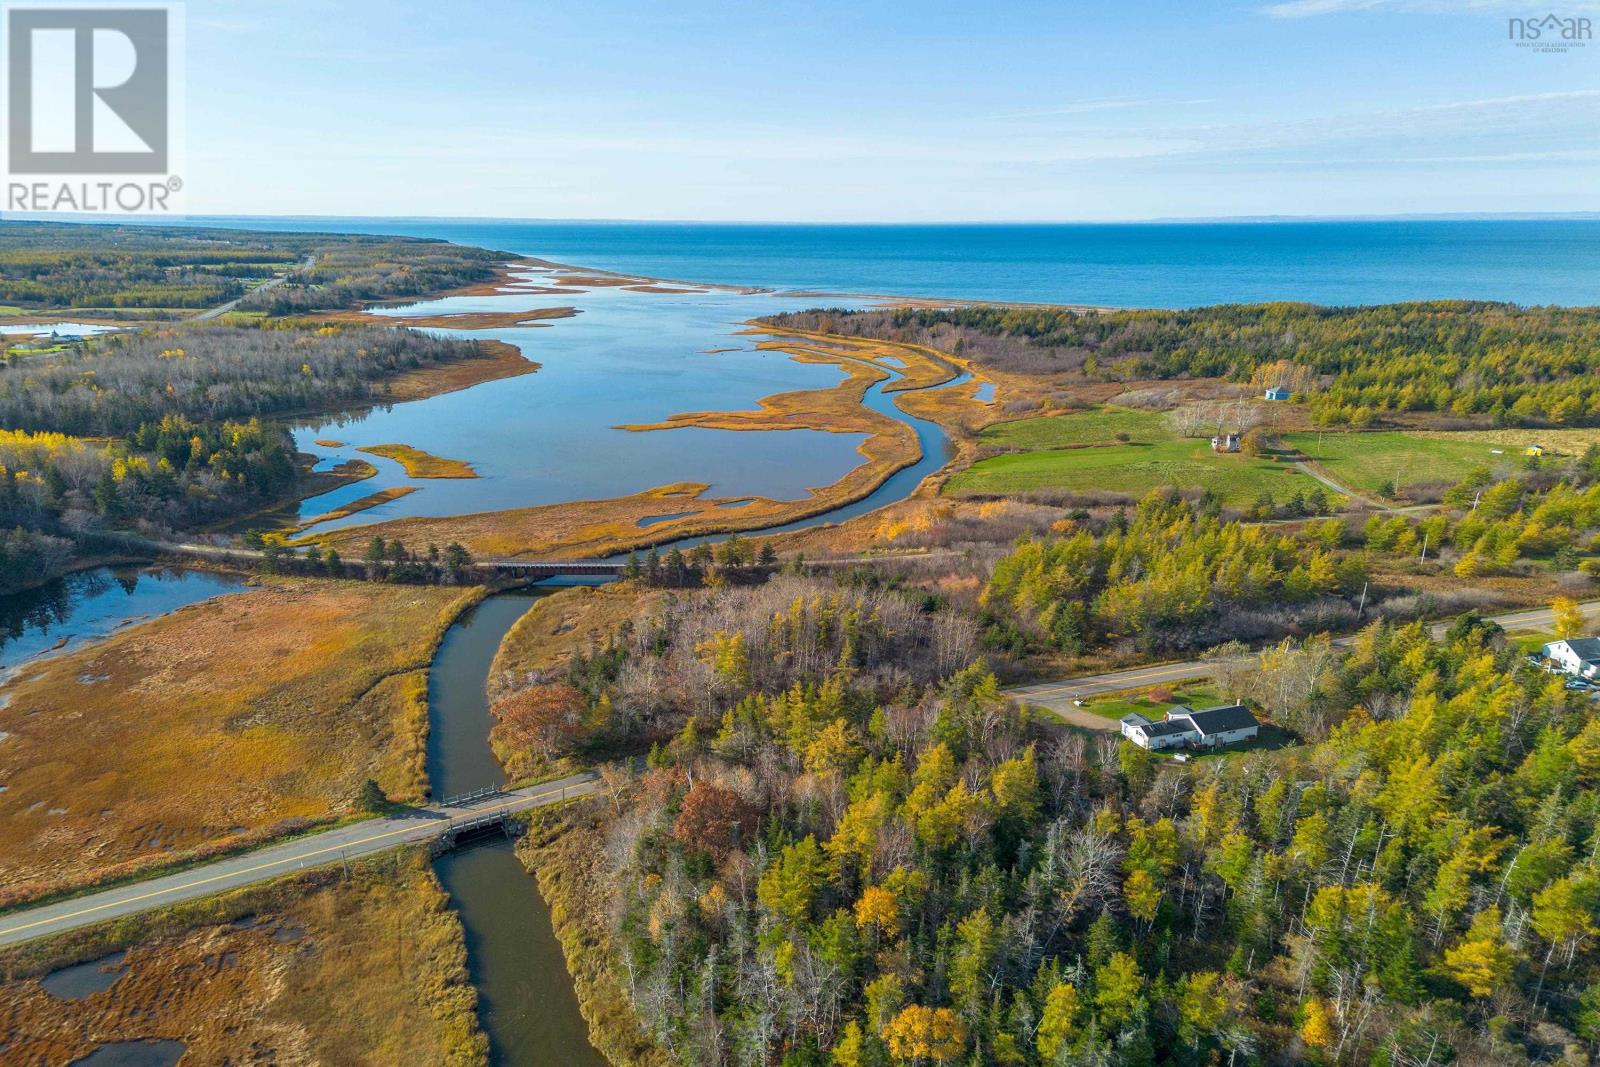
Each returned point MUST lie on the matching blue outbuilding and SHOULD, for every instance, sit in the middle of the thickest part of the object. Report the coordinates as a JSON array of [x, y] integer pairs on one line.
[[1278, 392]]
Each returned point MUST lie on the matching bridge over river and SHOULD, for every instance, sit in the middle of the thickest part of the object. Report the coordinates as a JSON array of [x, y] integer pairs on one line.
[[441, 824], [554, 568]]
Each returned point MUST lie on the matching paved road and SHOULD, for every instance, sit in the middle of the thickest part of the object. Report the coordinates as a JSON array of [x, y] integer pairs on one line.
[[1058, 696], [271, 283], [314, 850]]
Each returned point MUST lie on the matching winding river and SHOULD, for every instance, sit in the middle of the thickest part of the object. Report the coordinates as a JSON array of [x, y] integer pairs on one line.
[[541, 438], [526, 1001]]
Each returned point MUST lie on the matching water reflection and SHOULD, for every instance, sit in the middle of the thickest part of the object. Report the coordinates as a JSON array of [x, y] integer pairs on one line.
[[526, 1002], [90, 604], [552, 436]]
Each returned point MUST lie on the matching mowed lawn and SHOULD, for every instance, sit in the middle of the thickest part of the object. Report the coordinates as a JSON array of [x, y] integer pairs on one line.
[[220, 724], [1365, 461], [1115, 707], [1081, 453]]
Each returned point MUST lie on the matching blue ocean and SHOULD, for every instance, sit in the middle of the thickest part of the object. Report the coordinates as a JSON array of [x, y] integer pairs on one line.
[[1158, 264]]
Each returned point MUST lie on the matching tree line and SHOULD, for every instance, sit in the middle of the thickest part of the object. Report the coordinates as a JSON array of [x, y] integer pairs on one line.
[[1475, 361], [117, 382], [1547, 513], [344, 276], [64, 265]]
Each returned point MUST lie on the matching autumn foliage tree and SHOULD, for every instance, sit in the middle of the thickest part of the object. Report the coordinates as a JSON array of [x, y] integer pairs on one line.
[[714, 819], [541, 722]]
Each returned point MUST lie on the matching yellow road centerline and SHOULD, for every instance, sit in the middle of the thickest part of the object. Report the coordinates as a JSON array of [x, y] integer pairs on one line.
[[301, 858]]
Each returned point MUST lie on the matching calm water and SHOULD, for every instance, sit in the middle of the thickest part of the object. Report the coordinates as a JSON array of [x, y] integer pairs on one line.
[[526, 1001], [525, 997], [151, 1053], [552, 436], [90, 604], [1533, 261], [82, 980], [459, 757]]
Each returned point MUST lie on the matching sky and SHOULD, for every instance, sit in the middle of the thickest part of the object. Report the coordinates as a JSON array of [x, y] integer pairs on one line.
[[868, 111]]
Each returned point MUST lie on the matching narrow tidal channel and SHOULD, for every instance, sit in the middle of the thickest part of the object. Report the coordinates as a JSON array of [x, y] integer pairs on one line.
[[525, 999]]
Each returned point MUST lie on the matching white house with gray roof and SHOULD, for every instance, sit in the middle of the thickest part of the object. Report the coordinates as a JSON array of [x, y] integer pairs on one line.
[[1186, 727], [1578, 656]]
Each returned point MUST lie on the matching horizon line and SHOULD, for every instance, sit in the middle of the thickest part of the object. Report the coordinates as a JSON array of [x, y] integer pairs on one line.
[[1458, 216]]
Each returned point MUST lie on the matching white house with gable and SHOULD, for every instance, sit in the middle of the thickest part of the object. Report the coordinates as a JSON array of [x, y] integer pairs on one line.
[[1186, 727], [1578, 656]]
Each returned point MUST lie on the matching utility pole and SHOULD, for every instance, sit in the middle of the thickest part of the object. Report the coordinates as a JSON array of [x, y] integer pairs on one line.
[[1424, 557], [1363, 605]]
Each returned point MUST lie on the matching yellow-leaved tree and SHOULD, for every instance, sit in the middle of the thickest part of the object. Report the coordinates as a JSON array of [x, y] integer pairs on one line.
[[1316, 1028], [1481, 961], [923, 1033], [1568, 617], [1058, 1024]]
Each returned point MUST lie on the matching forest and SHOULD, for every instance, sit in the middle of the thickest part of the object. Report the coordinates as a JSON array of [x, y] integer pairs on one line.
[[165, 475], [850, 848], [1477, 363], [855, 852], [117, 382], [348, 274], [1173, 577], [54, 265], [114, 267]]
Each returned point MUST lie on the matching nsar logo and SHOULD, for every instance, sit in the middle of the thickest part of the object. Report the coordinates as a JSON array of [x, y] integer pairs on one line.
[[1550, 33]]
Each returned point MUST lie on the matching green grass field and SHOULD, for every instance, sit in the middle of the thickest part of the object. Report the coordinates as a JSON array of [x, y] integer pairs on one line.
[[1081, 453], [1098, 426], [1195, 696], [1365, 461], [1135, 470], [1527, 641]]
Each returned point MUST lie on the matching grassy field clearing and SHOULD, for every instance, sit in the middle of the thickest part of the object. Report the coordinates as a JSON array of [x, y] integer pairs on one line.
[[1082, 452], [1097, 426], [368, 967], [1366, 461], [220, 724], [1135, 470], [580, 619]]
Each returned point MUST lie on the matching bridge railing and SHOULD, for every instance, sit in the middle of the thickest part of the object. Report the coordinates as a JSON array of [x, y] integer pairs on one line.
[[477, 822], [469, 798]]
